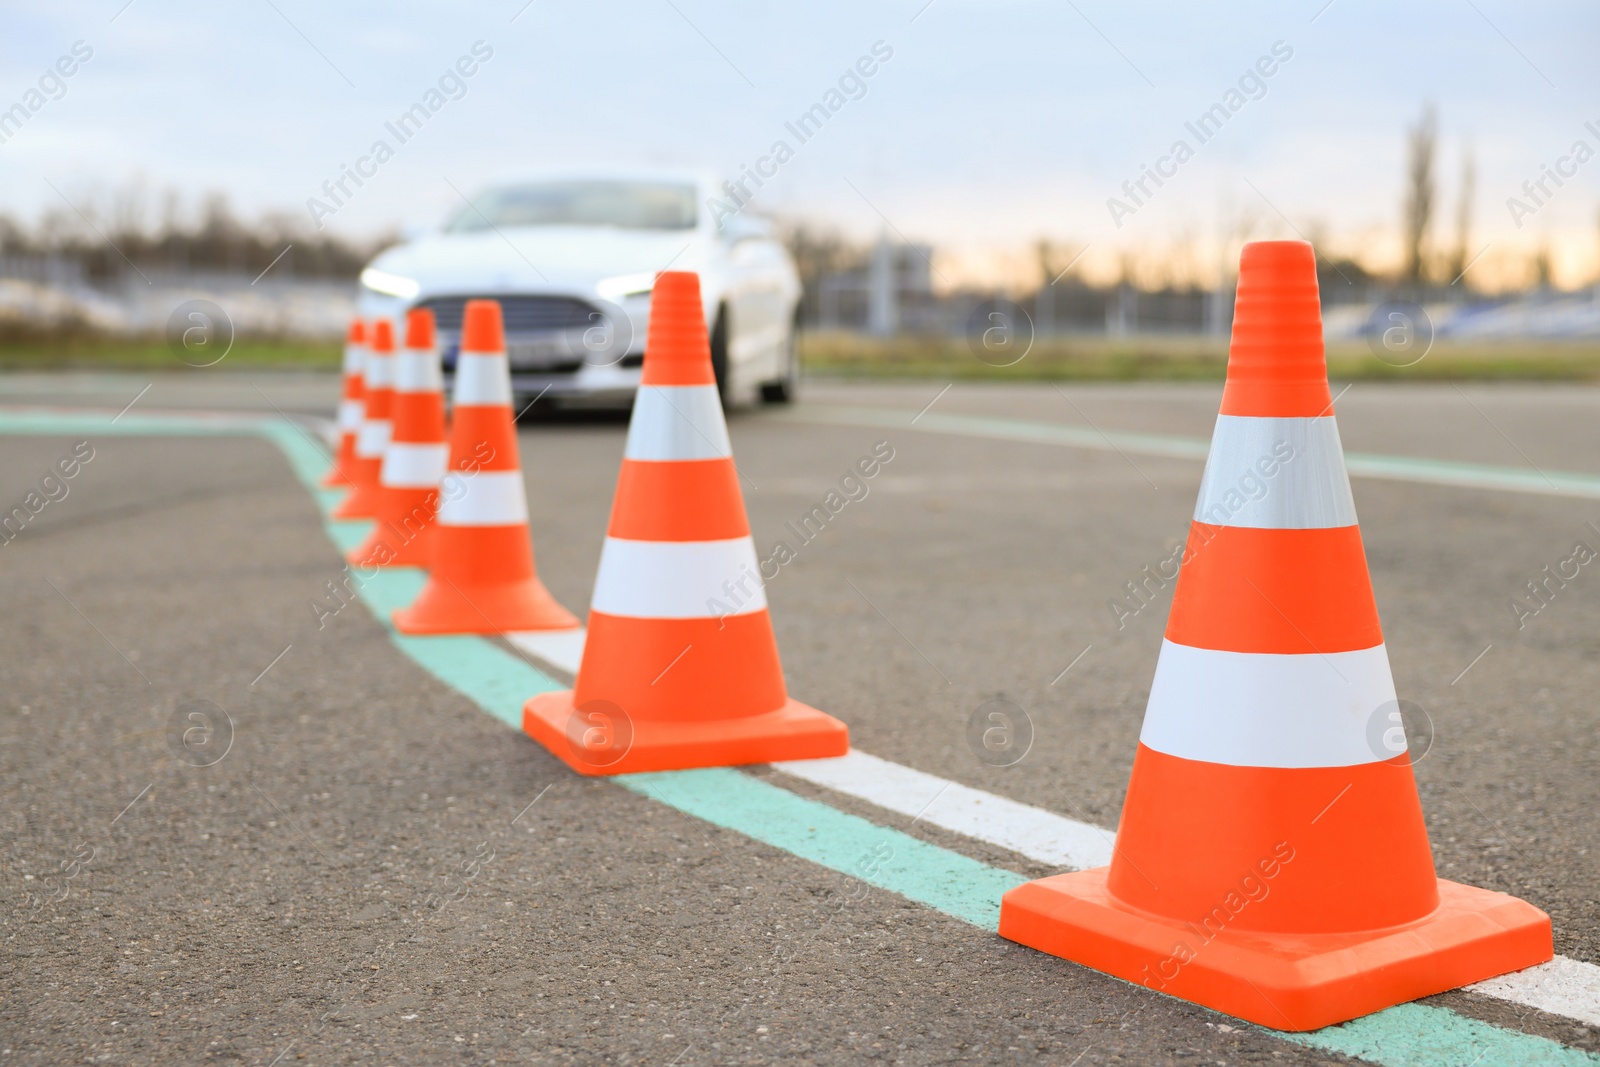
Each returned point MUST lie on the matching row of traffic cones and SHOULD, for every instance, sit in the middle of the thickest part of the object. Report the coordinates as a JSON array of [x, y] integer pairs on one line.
[[1271, 862]]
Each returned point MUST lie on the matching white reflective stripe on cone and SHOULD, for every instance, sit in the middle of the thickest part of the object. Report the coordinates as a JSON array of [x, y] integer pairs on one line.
[[1256, 709], [407, 465], [677, 422], [679, 579], [350, 413], [352, 358], [1275, 474], [487, 498], [379, 371], [373, 438], [483, 379], [418, 371]]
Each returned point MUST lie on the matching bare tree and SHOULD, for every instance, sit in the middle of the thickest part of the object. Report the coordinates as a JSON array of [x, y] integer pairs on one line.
[[1543, 269], [818, 253], [1469, 187], [1421, 140], [1045, 252]]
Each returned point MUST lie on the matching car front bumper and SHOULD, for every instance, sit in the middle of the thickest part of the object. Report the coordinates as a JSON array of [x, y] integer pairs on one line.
[[588, 386]]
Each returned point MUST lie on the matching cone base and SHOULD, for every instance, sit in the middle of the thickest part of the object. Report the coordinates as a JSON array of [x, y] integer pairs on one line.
[[794, 731], [1280, 981], [445, 607]]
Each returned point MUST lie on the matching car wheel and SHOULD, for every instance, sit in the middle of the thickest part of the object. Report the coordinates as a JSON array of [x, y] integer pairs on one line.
[[719, 352], [781, 390]]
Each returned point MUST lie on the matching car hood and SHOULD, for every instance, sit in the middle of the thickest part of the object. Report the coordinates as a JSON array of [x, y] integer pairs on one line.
[[538, 258]]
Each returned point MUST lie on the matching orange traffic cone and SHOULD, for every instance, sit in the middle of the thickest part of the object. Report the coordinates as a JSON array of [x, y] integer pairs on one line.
[[373, 437], [680, 667], [1272, 861], [414, 462], [350, 407], [482, 579]]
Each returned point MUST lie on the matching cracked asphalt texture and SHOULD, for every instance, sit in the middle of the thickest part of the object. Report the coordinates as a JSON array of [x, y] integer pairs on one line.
[[375, 871]]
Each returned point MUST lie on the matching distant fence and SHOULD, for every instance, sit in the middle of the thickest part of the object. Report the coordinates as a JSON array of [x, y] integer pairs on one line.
[[49, 292], [1076, 309]]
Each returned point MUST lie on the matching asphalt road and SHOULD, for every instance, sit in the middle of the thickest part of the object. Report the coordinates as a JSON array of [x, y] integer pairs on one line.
[[361, 877]]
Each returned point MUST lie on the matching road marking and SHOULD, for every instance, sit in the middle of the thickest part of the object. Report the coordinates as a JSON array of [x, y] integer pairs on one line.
[[1419, 1036], [132, 402], [1358, 464], [561, 649], [1033, 832], [1410, 1035], [944, 880], [1560, 987]]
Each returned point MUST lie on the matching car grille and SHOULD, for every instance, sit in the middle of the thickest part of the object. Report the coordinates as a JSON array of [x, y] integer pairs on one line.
[[523, 314], [544, 334]]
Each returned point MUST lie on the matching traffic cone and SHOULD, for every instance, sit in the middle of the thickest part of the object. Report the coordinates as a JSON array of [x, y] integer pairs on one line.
[[414, 463], [350, 407], [482, 579], [680, 667], [373, 437], [1272, 861]]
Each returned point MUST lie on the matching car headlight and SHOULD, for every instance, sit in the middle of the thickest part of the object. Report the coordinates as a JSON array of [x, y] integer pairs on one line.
[[626, 285], [381, 281]]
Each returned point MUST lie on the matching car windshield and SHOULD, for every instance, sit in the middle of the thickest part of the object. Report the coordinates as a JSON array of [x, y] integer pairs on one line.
[[626, 204]]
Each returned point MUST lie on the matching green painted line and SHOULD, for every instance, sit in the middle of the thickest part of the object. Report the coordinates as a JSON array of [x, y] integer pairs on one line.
[[1416, 1035], [1361, 464], [941, 879], [1411, 1035], [49, 422]]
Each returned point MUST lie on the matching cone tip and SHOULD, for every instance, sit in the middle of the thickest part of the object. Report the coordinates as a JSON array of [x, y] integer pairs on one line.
[[677, 347], [419, 328], [676, 284], [482, 327], [382, 335], [1275, 256], [1276, 366], [357, 333]]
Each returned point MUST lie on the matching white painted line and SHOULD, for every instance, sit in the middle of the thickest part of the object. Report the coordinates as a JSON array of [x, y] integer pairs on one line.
[[1038, 834], [1560, 987], [561, 649], [1358, 464]]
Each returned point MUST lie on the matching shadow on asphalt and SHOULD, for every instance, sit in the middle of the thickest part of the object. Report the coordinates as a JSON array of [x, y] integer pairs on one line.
[[542, 413]]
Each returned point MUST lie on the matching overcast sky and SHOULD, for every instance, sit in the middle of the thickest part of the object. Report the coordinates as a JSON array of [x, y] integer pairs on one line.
[[991, 125]]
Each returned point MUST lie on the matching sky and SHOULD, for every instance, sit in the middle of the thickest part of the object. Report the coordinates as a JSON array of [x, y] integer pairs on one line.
[[983, 127]]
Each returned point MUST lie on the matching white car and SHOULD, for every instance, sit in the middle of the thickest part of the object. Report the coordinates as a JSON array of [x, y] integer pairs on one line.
[[572, 257]]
